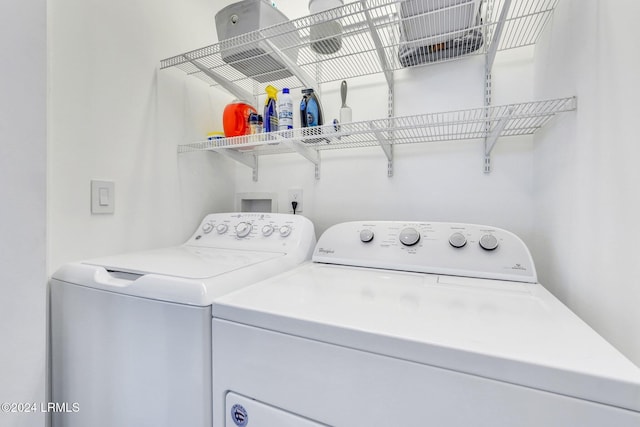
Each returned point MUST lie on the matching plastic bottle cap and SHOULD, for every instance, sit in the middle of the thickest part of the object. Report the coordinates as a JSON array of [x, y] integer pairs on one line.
[[272, 93]]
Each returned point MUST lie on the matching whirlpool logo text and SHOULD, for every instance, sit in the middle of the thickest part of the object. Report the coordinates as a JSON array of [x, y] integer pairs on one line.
[[325, 251]]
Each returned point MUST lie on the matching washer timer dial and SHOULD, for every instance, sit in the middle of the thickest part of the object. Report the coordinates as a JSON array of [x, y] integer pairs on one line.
[[285, 230], [366, 236], [409, 236], [267, 230], [488, 242], [457, 240], [243, 229]]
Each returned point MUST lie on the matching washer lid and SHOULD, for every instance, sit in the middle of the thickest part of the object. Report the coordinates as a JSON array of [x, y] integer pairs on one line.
[[508, 331], [189, 262], [184, 274]]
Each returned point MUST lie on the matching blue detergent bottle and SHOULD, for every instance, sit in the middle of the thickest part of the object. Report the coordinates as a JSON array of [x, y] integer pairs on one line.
[[270, 113], [310, 109]]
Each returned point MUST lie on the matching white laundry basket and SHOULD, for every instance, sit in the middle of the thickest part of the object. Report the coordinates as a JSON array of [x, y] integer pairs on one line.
[[437, 29]]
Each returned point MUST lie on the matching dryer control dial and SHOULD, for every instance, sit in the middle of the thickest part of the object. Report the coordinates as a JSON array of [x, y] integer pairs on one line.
[[457, 240], [488, 242], [366, 236], [207, 227], [442, 248], [222, 228], [409, 236], [243, 229], [285, 230], [267, 230]]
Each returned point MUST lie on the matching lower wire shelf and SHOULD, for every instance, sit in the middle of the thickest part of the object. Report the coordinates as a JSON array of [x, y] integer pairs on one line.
[[488, 123]]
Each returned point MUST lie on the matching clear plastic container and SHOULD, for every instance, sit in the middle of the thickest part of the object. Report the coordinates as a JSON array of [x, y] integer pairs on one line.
[[285, 110]]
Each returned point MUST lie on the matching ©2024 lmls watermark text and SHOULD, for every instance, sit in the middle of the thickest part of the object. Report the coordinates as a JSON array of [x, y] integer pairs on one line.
[[26, 407]]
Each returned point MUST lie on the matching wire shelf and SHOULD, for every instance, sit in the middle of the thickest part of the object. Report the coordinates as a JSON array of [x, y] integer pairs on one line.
[[363, 38], [511, 120]]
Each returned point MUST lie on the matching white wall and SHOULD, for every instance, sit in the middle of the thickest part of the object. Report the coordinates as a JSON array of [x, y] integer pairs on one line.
[[22, 207], [115, 116], [586, 182]]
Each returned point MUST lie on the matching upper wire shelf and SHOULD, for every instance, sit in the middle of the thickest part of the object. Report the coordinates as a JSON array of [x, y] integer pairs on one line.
[[362, 38]]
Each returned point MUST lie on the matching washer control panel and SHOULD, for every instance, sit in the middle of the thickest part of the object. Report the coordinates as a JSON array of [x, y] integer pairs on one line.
[[469, 250], [257, 231]]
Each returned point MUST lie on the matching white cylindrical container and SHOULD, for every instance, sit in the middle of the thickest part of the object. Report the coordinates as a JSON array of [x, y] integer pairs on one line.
[[316, 6], [326, 33], [285, 110]]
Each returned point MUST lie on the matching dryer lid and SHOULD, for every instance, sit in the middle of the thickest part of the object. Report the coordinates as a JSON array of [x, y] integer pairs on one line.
[[189, 262], [508, 331]]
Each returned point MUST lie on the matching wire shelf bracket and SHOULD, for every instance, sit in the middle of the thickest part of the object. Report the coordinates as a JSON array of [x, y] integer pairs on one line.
[[387, 148], [246, 159], [492, 138], [388, 74], [312, 155], [297, 71], [228, 85], [493, 49]]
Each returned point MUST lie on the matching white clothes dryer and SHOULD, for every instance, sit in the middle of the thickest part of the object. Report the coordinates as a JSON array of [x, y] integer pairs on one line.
[[131, 334], [414, 323]]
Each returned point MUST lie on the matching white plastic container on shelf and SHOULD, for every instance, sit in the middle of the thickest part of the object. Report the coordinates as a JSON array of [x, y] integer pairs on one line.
[[252, 56], [426, 19], [434, 30], [285, 110], [326, 35]]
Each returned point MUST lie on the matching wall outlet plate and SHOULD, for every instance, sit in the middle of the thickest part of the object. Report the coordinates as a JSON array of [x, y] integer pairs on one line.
[[102, 197], [295, 195]]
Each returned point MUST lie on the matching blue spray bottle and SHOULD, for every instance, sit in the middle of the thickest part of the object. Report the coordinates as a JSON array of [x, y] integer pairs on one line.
[[270, 113]]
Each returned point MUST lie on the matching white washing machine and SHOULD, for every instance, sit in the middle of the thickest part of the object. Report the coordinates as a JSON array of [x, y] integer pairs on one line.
[[131, 334], [421, 324]]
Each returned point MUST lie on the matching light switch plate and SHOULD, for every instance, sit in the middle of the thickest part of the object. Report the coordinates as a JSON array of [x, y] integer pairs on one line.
[[102, 197]]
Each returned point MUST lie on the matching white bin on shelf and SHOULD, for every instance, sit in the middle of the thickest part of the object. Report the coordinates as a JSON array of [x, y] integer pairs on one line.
[[432, 30], [444, 18], [326, 34], [252, 56]]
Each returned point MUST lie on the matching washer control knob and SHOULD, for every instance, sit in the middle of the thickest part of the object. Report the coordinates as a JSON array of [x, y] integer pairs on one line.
[[488, 242], [366, 236], [267, 230], [284, 231], [243, 229], [222, 228], [409, 236], [457, 240], [207, 227]]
